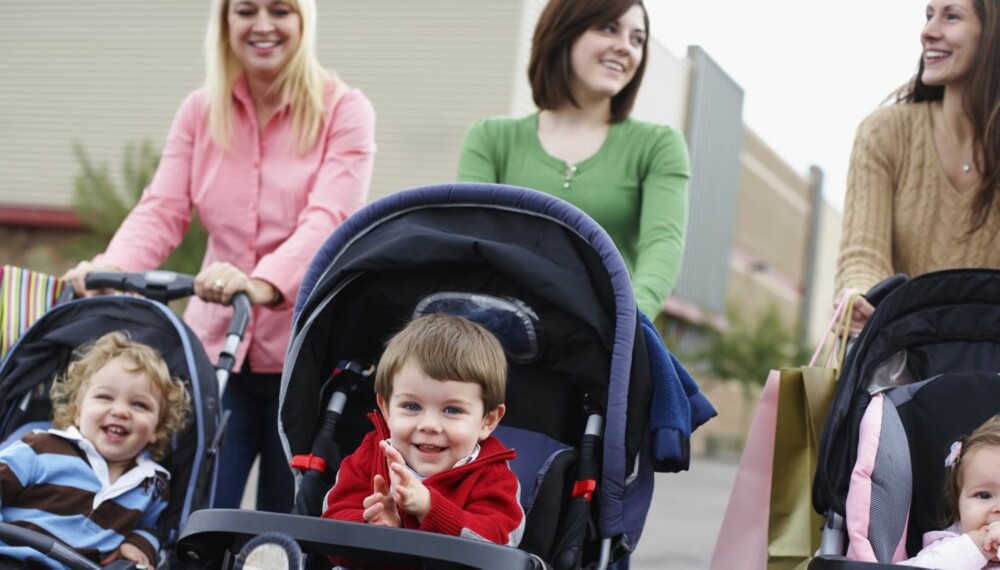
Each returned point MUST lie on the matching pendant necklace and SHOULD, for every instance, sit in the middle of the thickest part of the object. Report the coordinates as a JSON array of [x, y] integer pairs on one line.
[[966, 166]]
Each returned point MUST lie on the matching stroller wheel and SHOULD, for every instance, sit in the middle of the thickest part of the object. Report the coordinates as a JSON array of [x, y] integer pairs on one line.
[[270, 551]]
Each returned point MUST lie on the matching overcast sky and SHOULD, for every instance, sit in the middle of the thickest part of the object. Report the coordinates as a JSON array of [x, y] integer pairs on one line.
[[810, 69]]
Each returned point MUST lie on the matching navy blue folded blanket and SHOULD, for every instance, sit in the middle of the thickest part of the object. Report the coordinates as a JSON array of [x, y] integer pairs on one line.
[[678, 406]]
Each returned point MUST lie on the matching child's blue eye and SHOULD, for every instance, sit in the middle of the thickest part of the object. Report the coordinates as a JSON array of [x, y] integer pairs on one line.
[[453, 410], [411, 407], [141, 405]]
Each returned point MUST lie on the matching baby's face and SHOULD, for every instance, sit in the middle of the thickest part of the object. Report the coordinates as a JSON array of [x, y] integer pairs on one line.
[[118, 412], [979, 502], [435, 423]]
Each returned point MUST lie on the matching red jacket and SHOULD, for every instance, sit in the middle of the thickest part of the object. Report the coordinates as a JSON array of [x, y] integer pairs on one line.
[[479, 500]]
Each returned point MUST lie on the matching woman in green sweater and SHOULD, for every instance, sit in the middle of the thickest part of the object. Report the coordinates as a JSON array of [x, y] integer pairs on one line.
[[587, 62], [924, 172]]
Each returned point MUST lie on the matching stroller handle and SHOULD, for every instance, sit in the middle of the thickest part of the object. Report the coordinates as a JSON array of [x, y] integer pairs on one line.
[[163, 286], [881, 290]]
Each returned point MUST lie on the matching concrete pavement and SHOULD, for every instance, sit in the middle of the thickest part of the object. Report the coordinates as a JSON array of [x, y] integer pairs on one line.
[[685, 516]]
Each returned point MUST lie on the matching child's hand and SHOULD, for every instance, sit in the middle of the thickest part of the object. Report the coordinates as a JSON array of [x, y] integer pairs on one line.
[[380, 509], [408, 492], [992, 541], [129, 552]]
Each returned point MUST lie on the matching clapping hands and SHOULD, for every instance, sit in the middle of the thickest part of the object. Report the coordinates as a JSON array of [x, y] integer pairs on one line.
[[408, 493]]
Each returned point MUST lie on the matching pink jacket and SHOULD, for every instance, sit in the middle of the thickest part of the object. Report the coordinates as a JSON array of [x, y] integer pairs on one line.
[[266, 207]]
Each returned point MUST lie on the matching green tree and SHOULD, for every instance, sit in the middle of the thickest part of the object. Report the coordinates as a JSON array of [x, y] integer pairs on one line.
[[102, 207], [748, 350]]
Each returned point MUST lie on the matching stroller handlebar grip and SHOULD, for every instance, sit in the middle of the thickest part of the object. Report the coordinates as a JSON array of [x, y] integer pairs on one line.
[[160, 285], [881, 290], [241, 314]]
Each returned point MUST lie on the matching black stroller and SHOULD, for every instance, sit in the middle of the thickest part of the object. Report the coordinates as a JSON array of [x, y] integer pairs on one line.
[[550, 283], [923, 372], [46, 348]]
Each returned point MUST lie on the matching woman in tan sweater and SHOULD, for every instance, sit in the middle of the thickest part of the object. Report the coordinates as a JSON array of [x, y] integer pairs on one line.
[[924, 172]]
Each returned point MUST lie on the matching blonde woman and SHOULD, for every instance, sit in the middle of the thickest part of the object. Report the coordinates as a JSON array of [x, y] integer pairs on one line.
[[274, 152]]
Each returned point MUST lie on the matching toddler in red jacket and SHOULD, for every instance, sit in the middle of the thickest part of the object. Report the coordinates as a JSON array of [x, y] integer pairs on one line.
[[431, 462]]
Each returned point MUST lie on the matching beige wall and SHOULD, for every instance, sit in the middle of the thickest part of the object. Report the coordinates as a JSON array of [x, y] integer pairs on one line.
[[100, 74], [117, 71], [824, 271], [770, 245], [772, 232]]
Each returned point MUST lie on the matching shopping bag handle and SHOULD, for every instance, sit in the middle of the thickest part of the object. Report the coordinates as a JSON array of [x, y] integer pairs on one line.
[[839, 325]]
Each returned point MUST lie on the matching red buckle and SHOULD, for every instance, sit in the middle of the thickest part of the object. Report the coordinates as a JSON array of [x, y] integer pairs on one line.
[[314, 462], [584, 489]]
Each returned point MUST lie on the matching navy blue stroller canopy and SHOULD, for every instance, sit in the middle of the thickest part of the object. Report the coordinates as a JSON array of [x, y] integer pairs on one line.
[[47, 347], [543, 256]]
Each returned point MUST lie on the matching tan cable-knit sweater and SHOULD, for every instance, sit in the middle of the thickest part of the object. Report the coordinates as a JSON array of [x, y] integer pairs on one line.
[[901, 214]]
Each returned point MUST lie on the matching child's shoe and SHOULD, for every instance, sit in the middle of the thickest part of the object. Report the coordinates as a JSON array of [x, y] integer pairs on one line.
[[270, 551]]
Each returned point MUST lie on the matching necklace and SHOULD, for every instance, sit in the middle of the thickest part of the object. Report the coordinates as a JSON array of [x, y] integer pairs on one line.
[[966, 167]]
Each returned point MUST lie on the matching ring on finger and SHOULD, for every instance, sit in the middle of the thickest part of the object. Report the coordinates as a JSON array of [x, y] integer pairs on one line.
[[219, 284]]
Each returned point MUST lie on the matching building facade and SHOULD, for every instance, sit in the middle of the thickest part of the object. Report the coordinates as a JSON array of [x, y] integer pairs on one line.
[[115, 73]]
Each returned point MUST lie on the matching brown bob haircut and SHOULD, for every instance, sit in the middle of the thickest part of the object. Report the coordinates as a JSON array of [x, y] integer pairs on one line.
[[447, 347], [561, 23]]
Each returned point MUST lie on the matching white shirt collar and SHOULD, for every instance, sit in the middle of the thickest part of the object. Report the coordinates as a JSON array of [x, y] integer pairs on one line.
[[145, 467]]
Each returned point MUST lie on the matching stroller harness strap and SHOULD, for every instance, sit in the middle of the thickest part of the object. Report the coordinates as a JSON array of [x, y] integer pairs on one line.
[[309, 462]]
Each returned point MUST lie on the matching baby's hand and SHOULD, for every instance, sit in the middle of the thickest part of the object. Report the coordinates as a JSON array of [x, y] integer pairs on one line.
[[992, 540], [380, 509], [409, 492], [129, 552]]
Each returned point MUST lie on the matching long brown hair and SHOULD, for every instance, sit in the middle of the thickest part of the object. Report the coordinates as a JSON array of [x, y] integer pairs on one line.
[[559, 26], [981, 103]]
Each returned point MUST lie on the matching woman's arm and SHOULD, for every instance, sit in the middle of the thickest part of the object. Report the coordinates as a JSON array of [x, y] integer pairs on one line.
[[662, 221]]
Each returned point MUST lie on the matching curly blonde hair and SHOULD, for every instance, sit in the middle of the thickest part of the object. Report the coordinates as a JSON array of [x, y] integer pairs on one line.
[[135, 358]]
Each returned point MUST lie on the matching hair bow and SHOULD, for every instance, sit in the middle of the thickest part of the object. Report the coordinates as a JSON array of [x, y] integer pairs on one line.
[[956, 450]]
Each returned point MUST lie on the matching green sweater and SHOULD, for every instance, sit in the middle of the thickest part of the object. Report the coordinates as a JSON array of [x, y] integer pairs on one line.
[[635, 187]]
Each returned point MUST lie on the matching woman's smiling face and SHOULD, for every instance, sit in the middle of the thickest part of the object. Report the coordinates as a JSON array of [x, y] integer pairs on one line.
[[263, 35]]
